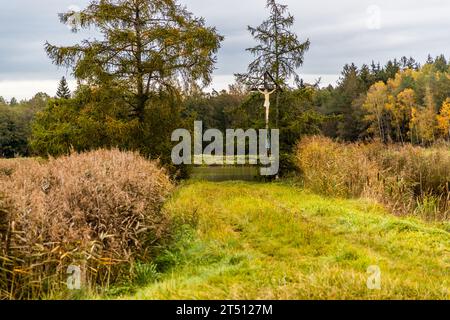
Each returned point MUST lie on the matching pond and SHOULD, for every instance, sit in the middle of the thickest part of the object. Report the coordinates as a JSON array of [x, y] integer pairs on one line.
[[226, 173]]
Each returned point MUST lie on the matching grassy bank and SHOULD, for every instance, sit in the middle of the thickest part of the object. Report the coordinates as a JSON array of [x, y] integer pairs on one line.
[[276, 241]]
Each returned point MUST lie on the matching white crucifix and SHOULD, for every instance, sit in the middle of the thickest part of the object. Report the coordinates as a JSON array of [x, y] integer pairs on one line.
[[267, 94], [267, 90]]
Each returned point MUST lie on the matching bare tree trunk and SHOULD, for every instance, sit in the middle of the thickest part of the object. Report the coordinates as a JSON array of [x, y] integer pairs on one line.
[[380, 128], [141, 94]]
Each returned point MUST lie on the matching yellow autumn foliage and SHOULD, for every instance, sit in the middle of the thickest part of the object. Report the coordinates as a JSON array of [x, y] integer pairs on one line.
[[443, 118]]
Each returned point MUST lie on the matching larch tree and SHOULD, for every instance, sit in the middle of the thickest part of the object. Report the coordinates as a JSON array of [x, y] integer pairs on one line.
[[426, 119], [280, 52], [148, 46], [401, 113], [63, 91], [375, 105], [443, 118]]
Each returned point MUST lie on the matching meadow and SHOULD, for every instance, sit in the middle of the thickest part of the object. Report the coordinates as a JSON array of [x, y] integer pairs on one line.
[[317, 235], [278, 241]]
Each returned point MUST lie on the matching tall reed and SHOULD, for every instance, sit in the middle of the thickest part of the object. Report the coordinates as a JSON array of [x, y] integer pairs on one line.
[[99, 211], [408, 179]]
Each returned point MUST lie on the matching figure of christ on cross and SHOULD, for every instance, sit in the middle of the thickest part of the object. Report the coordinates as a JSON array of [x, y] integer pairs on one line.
[[267, 94], [267, 90]]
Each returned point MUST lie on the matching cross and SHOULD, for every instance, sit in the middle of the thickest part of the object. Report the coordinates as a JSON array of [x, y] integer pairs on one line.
[[267, 94], [267, 91]]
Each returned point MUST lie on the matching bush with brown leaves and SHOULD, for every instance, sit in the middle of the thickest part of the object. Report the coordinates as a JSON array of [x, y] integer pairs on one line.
[[101, 211]]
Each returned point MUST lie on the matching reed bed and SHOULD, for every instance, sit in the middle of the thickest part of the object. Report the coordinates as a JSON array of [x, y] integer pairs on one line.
[[407, 179], [99, 211]]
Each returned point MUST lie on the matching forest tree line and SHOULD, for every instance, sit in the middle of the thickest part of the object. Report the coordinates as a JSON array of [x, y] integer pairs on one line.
[[145, 78], [401, 102]]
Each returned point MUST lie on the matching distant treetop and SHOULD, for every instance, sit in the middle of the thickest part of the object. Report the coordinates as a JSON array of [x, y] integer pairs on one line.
[[63, 89]]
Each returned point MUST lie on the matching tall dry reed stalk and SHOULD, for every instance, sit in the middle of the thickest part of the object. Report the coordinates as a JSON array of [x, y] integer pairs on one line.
[[100, 211], [408, 179]]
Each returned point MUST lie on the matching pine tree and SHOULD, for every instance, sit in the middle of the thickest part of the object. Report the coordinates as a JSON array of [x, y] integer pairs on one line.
[[13, 102], [279, 51], [440, 63], [63, 89]]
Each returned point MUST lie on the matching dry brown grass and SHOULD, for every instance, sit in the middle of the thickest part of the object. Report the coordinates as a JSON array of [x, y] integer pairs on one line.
[[408, 179], [99, 210]]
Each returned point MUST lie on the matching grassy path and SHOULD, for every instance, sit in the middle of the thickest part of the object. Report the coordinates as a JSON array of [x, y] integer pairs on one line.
[[274, 241]]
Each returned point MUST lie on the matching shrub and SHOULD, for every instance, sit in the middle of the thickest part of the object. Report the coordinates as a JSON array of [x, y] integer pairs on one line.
[[99, 210], [99, 118], [407, 179]]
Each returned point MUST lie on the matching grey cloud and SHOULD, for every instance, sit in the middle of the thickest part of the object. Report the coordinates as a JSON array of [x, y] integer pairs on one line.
[[25, 25], [337, 30]]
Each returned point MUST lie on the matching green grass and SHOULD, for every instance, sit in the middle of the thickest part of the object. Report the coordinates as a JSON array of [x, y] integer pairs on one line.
[[276, 241]]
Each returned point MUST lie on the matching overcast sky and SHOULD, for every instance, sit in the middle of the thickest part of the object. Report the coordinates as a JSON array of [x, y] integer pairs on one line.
[[340, 32]]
